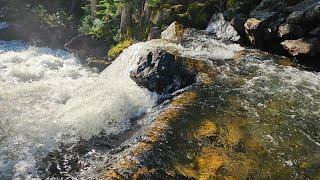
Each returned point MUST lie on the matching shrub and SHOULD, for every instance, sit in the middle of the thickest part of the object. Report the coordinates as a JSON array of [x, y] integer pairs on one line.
[[118, 49]]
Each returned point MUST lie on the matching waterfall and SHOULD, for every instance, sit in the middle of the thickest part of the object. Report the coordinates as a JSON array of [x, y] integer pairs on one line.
[[46, 96]]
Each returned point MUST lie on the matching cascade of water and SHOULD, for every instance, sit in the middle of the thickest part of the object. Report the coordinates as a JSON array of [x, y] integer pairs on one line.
[[45, 94]]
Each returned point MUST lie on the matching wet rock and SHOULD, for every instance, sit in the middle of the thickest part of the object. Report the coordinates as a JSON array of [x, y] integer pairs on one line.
[[85, 46], [238, 23], [306, 47], [174, 32], [222, 29], [253, 32], [162, 72], [9, 32], [290, 31]]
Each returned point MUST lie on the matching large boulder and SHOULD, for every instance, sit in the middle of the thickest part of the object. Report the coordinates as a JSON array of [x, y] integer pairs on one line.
[[222, 29], [174, 32], [302, 47], [305, 13], [162, 72], [254, 32], [85, 46], [10, 32], [238, 23]]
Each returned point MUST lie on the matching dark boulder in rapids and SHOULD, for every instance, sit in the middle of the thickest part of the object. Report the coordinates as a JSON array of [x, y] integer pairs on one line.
[[85, 46], [163, 72], [9, 32]]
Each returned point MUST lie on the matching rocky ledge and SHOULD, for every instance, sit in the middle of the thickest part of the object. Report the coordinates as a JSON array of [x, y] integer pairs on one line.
[[279, 27]]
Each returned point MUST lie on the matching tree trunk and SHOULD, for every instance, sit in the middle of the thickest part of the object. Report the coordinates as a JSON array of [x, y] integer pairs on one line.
[[93, 9], [126, 20], [146, 13], [76, 13]]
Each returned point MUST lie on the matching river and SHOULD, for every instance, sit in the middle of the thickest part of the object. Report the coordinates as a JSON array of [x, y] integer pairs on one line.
[[256, 118]]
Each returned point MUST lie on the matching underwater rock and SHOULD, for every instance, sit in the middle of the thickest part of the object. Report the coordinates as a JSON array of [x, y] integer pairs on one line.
[[222, 29], [162, 72]]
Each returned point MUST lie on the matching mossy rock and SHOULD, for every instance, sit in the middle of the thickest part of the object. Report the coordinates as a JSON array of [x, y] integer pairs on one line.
[[115, 51], [199, 14]]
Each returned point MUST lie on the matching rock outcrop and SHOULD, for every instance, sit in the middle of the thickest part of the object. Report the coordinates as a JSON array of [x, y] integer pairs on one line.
[[174, 32], [285, 27], [304, 47], [163, 72], [222, 29]]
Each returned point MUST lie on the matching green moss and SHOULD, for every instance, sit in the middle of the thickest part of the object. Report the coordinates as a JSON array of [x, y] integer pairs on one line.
[[118, 49], [199, 14]]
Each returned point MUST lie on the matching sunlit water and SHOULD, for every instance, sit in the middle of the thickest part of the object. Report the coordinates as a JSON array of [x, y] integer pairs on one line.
[[256, 119]]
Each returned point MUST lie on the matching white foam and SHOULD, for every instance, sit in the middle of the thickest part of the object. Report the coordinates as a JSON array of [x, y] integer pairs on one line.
[[45, 94]]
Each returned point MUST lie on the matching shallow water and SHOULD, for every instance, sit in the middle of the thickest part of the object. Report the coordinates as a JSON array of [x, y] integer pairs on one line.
[[258, 119]]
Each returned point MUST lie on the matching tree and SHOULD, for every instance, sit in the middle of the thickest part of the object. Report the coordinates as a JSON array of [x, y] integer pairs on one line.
[[93, 9]]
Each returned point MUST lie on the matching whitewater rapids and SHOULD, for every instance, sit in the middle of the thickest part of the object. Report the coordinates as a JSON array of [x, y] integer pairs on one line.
[[47, 97]]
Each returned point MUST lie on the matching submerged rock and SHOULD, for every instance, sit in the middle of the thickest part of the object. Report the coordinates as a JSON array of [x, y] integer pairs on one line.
[[162, 72], [222, 29]]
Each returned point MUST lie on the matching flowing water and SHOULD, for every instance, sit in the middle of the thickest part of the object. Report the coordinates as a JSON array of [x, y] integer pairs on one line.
[[46, 97], [255, 118]]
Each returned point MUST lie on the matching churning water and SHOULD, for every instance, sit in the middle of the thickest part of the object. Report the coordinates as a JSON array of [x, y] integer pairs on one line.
[[46, 97], [255, 119]]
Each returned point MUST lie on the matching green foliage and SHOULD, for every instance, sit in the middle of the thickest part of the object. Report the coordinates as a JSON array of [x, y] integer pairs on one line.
[[118, 49], [106, 23], [154, 3], [56, 19], [231, 3]]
